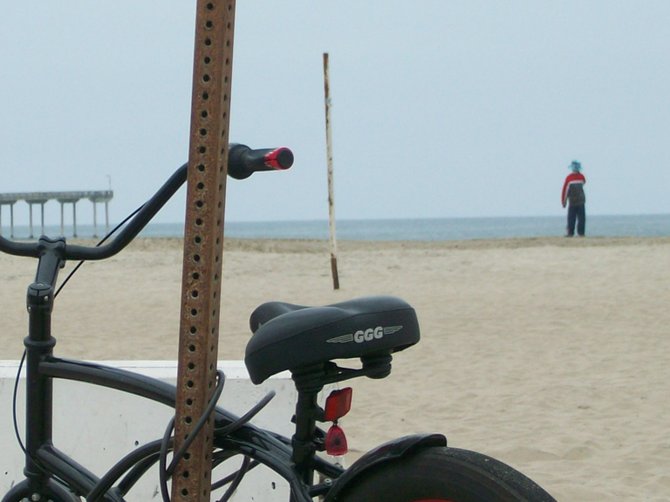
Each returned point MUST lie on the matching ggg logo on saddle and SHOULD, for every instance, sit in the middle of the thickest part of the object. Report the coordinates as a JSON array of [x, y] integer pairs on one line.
[[365, 335]]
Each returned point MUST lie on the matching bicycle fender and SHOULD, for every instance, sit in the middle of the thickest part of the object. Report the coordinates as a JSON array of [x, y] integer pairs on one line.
[[387, 452]]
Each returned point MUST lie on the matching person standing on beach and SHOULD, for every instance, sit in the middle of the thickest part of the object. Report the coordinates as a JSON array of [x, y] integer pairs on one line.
[[573, 196]]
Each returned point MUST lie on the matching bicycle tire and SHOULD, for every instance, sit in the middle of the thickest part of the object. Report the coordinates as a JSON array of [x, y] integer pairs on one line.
[[443, 474], [54, 492]]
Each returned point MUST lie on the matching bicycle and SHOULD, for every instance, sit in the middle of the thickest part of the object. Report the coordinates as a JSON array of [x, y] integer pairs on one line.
[[304, 340]]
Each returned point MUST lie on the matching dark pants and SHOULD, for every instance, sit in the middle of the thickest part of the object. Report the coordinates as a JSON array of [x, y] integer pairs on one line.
[[576, 214]]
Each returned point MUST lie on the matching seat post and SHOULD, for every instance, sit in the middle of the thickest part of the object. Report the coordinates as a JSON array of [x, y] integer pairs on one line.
[[307, 412], [303, 443]]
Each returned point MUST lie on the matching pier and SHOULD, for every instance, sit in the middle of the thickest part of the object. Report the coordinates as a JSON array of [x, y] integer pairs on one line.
[[63, 198]]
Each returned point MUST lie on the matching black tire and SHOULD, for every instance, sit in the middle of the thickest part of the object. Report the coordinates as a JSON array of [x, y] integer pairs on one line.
[[441, 474], [56, 492]]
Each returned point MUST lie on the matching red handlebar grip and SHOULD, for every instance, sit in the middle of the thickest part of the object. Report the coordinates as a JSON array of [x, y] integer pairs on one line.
[[279, 158]]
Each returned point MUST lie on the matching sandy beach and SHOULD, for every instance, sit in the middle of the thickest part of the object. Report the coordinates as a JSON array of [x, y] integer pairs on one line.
[[549, 354]]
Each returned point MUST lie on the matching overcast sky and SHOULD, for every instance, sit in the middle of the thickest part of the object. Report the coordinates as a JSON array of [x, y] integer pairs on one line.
[[440, 108]]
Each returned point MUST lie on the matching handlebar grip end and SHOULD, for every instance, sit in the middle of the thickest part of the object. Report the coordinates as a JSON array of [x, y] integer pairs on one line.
[[243, 161], [279, 158]]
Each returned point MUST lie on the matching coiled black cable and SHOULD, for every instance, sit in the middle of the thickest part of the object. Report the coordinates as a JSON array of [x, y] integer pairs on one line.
[[165, 472]]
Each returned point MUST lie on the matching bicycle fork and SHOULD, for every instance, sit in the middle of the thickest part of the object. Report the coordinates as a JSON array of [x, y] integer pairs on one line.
[[39, 345]]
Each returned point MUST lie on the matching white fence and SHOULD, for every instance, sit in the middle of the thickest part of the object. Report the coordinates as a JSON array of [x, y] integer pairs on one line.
[[97, 426]]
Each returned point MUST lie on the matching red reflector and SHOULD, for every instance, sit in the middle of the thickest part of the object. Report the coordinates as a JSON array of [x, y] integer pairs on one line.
[[338, 404], [336, 441]]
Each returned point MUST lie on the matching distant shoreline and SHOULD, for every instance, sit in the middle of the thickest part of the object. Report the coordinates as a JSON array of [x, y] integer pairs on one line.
[[270, 245], [408, 229]]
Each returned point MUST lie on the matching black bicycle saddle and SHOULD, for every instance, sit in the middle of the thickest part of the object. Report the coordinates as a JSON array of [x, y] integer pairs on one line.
[[288, 337]]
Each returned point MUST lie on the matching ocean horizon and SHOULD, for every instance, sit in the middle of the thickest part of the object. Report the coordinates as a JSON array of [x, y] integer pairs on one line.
[[412, 229]]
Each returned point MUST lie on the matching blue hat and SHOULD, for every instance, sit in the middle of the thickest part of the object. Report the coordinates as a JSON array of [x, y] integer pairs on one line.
[[575, 166]]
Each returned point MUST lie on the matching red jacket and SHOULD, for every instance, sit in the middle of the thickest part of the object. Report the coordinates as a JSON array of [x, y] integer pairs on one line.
[[571, 179]]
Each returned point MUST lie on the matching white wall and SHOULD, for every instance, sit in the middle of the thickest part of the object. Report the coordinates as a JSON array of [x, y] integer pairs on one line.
[[97, 426]]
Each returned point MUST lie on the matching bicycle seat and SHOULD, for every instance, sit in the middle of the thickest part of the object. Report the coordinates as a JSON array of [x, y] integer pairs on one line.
[[288, 337]]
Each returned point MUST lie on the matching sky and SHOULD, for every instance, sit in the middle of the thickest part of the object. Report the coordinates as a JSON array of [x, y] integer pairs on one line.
[[440, 108]]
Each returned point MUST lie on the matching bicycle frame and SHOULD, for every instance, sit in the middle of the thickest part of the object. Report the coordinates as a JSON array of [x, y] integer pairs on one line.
[[295, 460], [42, 368], [249, 440]]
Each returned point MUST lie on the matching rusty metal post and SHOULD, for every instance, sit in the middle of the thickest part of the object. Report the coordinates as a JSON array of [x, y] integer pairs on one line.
[[331, 196], [203, 242]]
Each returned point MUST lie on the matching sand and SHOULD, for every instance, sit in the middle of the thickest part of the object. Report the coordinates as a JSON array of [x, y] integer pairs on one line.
[[548, 354]]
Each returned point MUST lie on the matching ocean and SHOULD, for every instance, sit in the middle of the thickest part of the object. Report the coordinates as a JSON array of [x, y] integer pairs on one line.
[[423, 229]]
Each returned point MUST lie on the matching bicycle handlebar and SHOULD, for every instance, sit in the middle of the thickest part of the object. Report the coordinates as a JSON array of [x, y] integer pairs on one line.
[[242, 162]]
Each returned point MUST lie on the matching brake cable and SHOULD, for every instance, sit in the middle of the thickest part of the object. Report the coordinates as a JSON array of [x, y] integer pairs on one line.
[[109, 234]]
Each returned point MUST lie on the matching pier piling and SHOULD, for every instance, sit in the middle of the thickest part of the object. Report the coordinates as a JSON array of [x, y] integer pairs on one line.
[[41, 198]]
